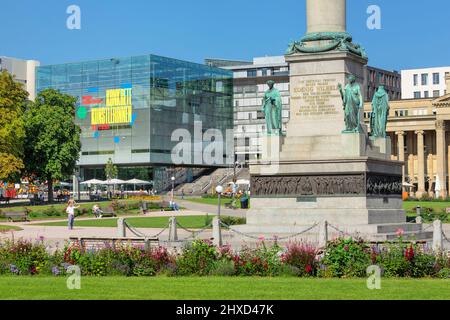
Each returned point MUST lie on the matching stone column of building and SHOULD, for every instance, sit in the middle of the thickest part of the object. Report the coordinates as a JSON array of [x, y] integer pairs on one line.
[[401, 150], [441, 150], [421, 163]]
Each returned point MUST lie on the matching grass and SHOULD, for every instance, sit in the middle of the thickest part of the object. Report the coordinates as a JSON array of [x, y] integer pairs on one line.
[[219, 288], [196, 222], [38, 212], [436, 205], [214, 201], [9, 228]]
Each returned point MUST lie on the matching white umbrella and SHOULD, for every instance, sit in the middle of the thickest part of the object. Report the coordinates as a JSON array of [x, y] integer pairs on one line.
[[137, 182], [114, 182], [93, 181]]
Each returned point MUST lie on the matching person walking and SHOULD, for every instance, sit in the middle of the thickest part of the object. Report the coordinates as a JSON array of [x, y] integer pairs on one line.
[[71, 213]]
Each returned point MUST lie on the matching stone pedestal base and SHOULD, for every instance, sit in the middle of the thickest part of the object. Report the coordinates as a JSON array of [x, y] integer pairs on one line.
[[351, 190]]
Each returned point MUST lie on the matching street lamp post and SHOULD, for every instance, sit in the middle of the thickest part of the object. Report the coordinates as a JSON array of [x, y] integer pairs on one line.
[[173, 186], [219, 190]]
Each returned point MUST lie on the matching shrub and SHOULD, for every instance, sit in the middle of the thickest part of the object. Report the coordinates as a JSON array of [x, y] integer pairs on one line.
[[259, 261], [198, 258], [233, 221], [303, 257], [223, 267], [346, 258], [23, 257], [52, 211]]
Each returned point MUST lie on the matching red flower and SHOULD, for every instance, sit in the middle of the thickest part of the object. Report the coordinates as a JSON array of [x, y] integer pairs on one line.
[[308, 268], [409, 253]]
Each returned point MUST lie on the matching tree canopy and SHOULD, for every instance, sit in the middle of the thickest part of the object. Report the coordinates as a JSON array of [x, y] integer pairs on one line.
[[52, 143], [13, 101]]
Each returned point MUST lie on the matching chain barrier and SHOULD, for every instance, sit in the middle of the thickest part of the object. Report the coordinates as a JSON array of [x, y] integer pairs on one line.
[[269, 239], [343, 232], [138, 233], [445, 237], [195, 233]]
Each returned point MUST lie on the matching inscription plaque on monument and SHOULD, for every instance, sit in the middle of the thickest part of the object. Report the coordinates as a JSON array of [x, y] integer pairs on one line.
[[315, 97]]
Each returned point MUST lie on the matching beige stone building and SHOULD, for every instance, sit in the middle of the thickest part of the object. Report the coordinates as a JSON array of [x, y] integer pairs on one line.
[[420, 135]]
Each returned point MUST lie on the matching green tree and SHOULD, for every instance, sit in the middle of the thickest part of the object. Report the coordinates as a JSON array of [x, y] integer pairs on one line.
[[111, 171], [52, 143], [13, 101]]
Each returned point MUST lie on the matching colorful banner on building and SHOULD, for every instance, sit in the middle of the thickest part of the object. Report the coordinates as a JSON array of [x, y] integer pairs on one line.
[[116, 110]]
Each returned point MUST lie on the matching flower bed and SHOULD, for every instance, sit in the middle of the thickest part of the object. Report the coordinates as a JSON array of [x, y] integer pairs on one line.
[[342, 258]]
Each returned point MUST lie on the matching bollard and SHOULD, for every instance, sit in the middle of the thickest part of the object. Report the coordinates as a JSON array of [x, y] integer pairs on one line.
[[323, 235], [147, 246], [418, 214], [216, 232], [121, 229], [437, 236], [173, 234]]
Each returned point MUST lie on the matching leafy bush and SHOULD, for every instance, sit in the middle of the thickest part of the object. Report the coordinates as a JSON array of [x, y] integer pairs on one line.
[[429, 215], [233, 221], [23, 257], [301, 256], [198, 258], [223, 267], [52, 212], [259, 261], [346, 258]]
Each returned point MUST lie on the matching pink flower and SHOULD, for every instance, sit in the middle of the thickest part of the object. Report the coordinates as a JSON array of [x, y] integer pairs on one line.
[[400, 232], [261, 238]]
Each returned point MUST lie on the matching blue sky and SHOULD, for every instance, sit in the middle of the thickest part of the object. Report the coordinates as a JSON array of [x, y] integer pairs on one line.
[[414, 33]]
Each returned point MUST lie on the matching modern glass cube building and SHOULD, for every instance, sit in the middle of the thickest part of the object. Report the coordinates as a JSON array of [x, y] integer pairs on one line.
[[128, 109]]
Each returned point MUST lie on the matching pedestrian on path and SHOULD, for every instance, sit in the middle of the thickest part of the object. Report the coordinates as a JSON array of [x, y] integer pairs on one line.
[[71, 213]]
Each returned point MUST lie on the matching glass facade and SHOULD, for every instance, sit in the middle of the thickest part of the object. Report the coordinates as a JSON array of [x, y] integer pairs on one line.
[[128, 108]]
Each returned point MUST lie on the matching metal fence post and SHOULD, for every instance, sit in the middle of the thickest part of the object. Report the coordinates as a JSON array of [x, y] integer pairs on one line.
[[323, 234], [437, 236], [217, 232], [173, 234], [121, 228]]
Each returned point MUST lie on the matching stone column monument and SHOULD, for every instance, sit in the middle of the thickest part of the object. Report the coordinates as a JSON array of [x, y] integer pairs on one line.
[[328, 168]]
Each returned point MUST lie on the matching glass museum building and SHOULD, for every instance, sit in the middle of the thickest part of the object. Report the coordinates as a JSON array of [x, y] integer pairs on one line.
[[128, 109]]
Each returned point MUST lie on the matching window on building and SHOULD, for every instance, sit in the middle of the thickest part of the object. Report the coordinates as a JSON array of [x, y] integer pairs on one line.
[[416, 79], [251, 89], [435, 78], [251, 73], [436, 93], [238, 89], [247, 142], [401, 113], [424, 79], [426, 94], [417, 95]]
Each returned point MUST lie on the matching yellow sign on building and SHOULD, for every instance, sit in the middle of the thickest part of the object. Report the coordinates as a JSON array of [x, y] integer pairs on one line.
[[118, 108]]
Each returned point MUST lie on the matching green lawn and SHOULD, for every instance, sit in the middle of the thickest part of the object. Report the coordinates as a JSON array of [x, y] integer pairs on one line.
[[9, 228], [145, 222], [214, 201], [436, 205], [218, 288], [39, 212]]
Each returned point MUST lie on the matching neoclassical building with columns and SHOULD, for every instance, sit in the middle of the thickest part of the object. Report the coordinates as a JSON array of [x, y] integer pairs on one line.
[[420, 133]]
